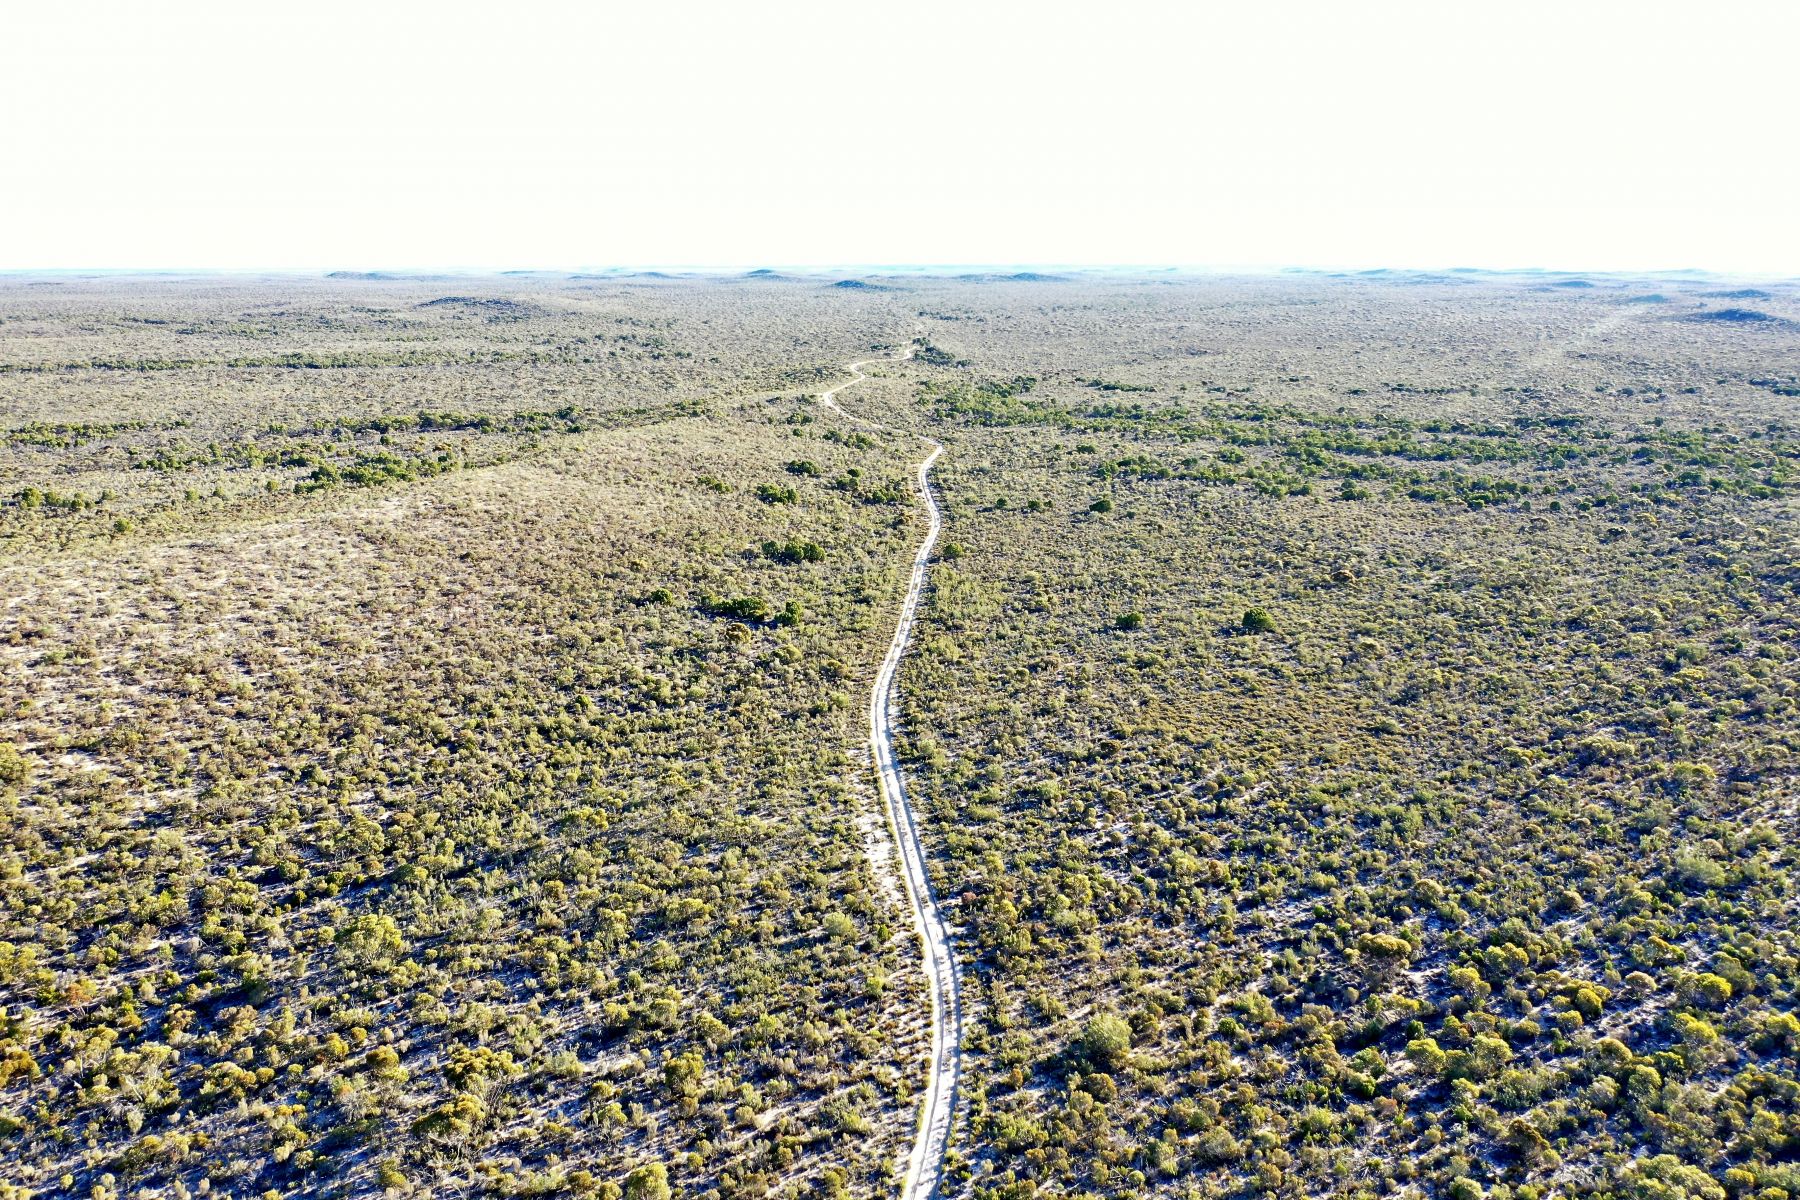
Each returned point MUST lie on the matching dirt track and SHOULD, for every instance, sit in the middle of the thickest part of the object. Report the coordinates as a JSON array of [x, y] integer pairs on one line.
[[925, 1161]]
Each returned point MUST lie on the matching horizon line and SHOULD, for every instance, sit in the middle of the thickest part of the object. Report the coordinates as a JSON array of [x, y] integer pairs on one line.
[[915, 269]]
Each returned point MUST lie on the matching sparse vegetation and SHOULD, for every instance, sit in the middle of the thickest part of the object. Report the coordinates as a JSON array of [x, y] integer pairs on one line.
[[1355, 765], [429, 794], [1462, 877]]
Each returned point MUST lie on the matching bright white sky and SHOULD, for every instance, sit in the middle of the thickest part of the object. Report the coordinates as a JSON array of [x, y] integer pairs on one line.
[[326, 135]]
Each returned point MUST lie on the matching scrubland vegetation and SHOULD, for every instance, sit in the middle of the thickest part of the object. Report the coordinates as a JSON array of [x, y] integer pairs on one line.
[[1353, 721], [441, 779], [1364, 752]]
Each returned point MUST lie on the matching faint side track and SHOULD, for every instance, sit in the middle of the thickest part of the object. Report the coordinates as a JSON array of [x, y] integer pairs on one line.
[[1554, 352], [925, 1162]]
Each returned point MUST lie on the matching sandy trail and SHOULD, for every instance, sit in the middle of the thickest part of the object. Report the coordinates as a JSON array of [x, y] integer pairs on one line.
[[1555, 351], [924, 1164]]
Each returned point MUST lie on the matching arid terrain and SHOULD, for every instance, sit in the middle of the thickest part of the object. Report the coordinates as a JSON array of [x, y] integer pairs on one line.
[[1349, 725]]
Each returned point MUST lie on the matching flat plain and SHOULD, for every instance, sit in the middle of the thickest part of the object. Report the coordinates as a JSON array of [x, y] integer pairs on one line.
[[1351, 719]]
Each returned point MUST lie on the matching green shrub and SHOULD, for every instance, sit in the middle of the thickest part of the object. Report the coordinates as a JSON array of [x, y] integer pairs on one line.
[[1706, 990], [1464, 1188], [370, 940], [14, 768], [1105, 1040], [793, 551], [649, 1182], [740, 608]]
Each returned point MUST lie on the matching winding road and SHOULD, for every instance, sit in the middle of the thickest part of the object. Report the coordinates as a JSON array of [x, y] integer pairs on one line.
[[924, 1164]]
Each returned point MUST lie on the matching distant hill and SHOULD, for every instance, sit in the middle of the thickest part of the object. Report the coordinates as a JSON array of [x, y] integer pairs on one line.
[[492, 307], [384, 276], [1016, 277], [1739, 316]]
